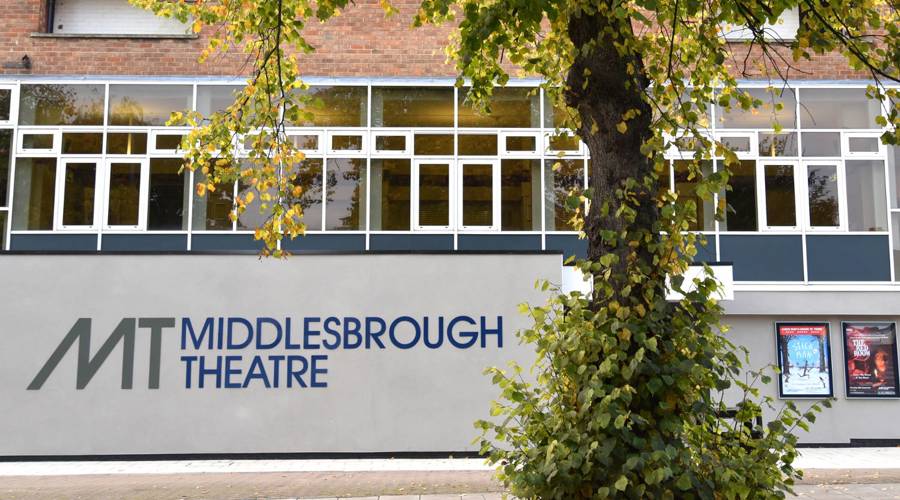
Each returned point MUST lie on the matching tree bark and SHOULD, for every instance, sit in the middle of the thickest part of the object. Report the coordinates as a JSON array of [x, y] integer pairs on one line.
[[601, 90]]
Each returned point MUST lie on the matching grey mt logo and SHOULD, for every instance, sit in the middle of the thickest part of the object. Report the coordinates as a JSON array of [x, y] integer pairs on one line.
[[87, 366]]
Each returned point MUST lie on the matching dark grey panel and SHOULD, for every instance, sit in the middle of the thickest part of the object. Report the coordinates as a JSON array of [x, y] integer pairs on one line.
[[707, 252], [53, 242], [326, 243], [499, 242], [848, 257], [403, 242], [762, 257], [568, 244], [224, 243], [144, 243]]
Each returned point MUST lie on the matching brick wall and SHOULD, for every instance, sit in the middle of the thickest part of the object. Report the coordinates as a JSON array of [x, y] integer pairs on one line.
[[360, 42]]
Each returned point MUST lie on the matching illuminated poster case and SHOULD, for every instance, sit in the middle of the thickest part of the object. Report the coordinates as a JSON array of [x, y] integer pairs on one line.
[[804, 360], [870, 351]]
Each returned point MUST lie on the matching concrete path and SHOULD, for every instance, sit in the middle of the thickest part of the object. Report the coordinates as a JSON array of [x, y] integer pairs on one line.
[[831, 473]]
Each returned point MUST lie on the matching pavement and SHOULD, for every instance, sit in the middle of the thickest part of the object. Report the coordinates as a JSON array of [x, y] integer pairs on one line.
[[830, 473]]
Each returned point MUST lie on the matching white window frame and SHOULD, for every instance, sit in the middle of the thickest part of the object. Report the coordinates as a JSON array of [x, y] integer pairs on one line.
[[751, 136], [99, 183], [845, 145], [495, 192], [761, 194], [344, 152], [13, 107], [151, 141], [450, 132], [143, 190], [406, 151], [320, 136], [519, 154], [549, 151], [842, 195], [451, 200], [22, 132]]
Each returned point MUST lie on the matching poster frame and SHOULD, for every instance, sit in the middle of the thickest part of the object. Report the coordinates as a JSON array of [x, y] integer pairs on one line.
[[827, 325], [847, 394]]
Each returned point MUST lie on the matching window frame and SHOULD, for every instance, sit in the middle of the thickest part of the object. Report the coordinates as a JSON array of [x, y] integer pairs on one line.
[[143, 192], [563, 153], [751, 136], [21, 132], [803, 173], [154, 133], [390, 153], [331, 134], [415, 193], [495, 193], [60, 187], [501, 145], [845, 145], [762, 198]]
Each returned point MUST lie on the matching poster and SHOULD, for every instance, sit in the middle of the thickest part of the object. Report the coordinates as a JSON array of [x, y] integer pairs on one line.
[[804, 358], [871, 353]]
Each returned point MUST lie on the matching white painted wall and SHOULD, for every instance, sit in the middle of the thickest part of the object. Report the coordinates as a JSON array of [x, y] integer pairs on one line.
[[116, 17]]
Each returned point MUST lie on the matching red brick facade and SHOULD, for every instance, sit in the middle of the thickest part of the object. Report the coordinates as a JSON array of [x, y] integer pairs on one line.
[[360, 42]]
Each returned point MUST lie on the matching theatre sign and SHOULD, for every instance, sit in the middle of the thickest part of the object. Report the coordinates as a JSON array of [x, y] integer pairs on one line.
[[229, 354]]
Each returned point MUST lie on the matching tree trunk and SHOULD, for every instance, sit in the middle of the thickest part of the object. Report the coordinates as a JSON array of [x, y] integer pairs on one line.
[[601, 90]]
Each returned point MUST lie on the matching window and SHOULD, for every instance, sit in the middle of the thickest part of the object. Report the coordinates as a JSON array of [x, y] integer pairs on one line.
[[212, 212], [5, 155], [514, 144], [477, 203], [165, 142], [564, 142], [741, 199], [838, 108], [431, 195], [779, 195], [346, 143], [34, 194], [520, 195], [110, 17], [866, 204], [391, 195], [782, 144], [433, 145], [124, 207], [412, 107], [823, 195], [5, 107], [79, 192], [169, 194], [147, 105], [55, 104], [309, 177], [511, 107], [821, 144], [38, 141], [345, 202], [686, 180], [778, 105], [477, 145], [392, 143], [561, 177], [126, 143], [80, 143], [332, 107], [216, 98]]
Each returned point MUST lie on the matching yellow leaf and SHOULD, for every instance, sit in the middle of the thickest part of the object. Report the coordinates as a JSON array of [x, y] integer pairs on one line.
[[622, 127], [197, 26]]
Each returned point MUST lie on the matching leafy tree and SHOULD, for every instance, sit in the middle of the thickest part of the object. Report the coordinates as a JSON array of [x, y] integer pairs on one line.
[[626, 398]]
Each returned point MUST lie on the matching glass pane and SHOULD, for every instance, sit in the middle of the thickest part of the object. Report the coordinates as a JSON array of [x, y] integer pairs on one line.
[[390, 195], [346, 142], [334, 107], [345, 206], [3, 216], [212, 211], [895, 236], [390, 143], [894, 170], [686, 188], [434, 194], [863, 144], [764, 115], [169, 142], [127, 143], [124, 194], [253, 215], [135, 105], [5, 98], [520, 195], [837, 108], [511, 107], [478, 145], [553, 116], [822, 185], [81, 144], [37, 141], [741, 199], [771, 144], [5, 155], [169, 195], [432, 144], [50, 104], [564, 142], [560, 178], [215, 98], [307, 142], [78, 194], [34, 194], [477, 194], [309, 178], [821, 143], [412, 107], [866, 205], [521, 143], [737, 144], [781, 208]]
